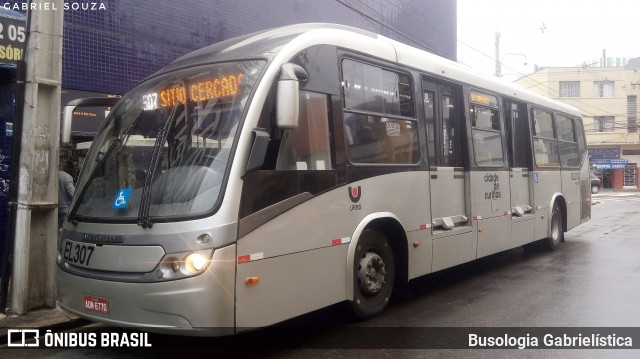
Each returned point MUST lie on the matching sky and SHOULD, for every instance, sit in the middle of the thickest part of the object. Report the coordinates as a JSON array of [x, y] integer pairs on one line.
[[547, 33]]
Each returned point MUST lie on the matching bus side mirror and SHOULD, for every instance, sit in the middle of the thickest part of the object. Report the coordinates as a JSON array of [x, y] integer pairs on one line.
[[288, 102], [65, 133]]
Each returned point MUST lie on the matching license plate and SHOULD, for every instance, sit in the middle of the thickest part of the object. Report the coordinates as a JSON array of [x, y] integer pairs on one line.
[[96, 304], [78, 253]]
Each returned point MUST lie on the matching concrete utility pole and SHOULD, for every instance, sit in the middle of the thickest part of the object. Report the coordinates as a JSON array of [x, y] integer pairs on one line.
[[33, 279]]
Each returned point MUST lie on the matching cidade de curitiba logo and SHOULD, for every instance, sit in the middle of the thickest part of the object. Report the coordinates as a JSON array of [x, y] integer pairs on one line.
[[30, 338]]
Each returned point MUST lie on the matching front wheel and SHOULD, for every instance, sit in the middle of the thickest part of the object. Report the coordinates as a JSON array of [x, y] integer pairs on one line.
[[595, 189], [373, 274], [557, 236]]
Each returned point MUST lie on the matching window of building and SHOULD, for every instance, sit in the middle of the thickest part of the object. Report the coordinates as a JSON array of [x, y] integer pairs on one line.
[[630, 175], [632, 111], [604, 123], [569, 89], [603, 88]]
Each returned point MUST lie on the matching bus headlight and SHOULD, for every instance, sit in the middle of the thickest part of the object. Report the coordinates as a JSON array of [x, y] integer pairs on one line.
[[183, 265], [195, 263]]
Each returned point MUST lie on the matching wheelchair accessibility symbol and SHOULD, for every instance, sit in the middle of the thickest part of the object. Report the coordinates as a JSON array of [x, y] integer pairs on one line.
[[122, 198]]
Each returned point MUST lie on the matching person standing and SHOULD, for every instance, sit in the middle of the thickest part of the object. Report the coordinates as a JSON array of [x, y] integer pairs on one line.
[[65, 190]]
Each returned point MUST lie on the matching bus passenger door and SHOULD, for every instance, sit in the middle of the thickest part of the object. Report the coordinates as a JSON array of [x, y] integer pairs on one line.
[[568, 131], [453, 240], [520, 177]]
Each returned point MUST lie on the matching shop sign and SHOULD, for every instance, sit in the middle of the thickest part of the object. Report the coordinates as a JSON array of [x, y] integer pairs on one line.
[[603, 153], [610, 164], [13, 35]]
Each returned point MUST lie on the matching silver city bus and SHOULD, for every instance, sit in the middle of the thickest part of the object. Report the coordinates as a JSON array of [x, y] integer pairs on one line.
[[281, 172]]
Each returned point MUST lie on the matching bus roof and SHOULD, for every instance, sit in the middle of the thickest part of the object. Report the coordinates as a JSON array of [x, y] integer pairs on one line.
[[294, 38]]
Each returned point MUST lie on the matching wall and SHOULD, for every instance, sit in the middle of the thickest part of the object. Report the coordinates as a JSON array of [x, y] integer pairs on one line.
[[110, 51]]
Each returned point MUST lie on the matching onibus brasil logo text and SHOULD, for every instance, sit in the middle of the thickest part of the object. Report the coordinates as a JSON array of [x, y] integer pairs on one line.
[[22, 338]]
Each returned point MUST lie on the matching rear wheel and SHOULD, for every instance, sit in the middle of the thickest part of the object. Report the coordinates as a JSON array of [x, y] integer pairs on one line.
[[557, 236], [595, 189], [373, 274]]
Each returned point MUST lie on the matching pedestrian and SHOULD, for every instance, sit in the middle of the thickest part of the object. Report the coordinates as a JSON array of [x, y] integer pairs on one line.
[[65, 190]]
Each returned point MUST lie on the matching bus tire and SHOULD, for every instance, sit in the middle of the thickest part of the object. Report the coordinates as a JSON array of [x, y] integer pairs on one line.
[[557, 236], [373, 274]]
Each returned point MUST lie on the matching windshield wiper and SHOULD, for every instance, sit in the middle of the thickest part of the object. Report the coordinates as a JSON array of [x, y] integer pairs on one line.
[[143, 214], [117, 142], [72, 211]]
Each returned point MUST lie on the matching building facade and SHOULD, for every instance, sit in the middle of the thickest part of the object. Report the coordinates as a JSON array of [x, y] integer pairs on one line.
[[607, 95]]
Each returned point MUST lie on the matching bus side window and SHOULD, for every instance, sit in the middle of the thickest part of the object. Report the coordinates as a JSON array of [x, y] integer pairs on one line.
[[567, 143], [544, 143], [517, 132], [487, 139], [450, 138], [307, 147]]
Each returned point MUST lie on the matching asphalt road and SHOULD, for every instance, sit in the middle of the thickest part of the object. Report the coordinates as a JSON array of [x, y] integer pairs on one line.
[[592, 280]]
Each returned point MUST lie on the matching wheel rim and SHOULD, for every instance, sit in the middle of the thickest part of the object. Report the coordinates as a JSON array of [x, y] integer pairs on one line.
[[555, 229], [594, 189], [371, 274]]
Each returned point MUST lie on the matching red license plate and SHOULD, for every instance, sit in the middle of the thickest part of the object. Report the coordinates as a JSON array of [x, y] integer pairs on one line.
[[96, 304]]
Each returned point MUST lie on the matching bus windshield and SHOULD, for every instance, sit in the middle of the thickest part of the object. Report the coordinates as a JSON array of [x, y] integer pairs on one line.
[[164, 149]]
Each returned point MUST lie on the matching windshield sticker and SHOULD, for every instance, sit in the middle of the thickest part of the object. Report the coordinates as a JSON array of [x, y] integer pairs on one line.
[[122, 198]]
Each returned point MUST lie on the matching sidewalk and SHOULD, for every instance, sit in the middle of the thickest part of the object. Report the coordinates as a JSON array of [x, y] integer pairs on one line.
[[43, 319]]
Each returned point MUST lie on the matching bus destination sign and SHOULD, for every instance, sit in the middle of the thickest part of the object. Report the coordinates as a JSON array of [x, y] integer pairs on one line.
[[221, 87], [483, 99]]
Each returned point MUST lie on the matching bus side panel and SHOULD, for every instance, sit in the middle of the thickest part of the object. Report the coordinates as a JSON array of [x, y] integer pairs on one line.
[[420, 257], [571, 193], [300, 256], [491, 206], [545, 185], [290, 285], [523, 230], [454, 249], [493, 235]]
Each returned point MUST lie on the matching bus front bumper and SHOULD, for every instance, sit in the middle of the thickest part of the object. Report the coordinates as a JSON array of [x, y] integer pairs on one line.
[[200, 305]]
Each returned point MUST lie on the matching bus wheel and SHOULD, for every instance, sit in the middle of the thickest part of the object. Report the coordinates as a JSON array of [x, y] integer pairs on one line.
[[557, 236], [374, 274]]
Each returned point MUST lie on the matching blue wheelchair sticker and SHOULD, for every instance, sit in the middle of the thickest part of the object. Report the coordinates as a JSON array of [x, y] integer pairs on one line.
[[122, 198], [536, 177]]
